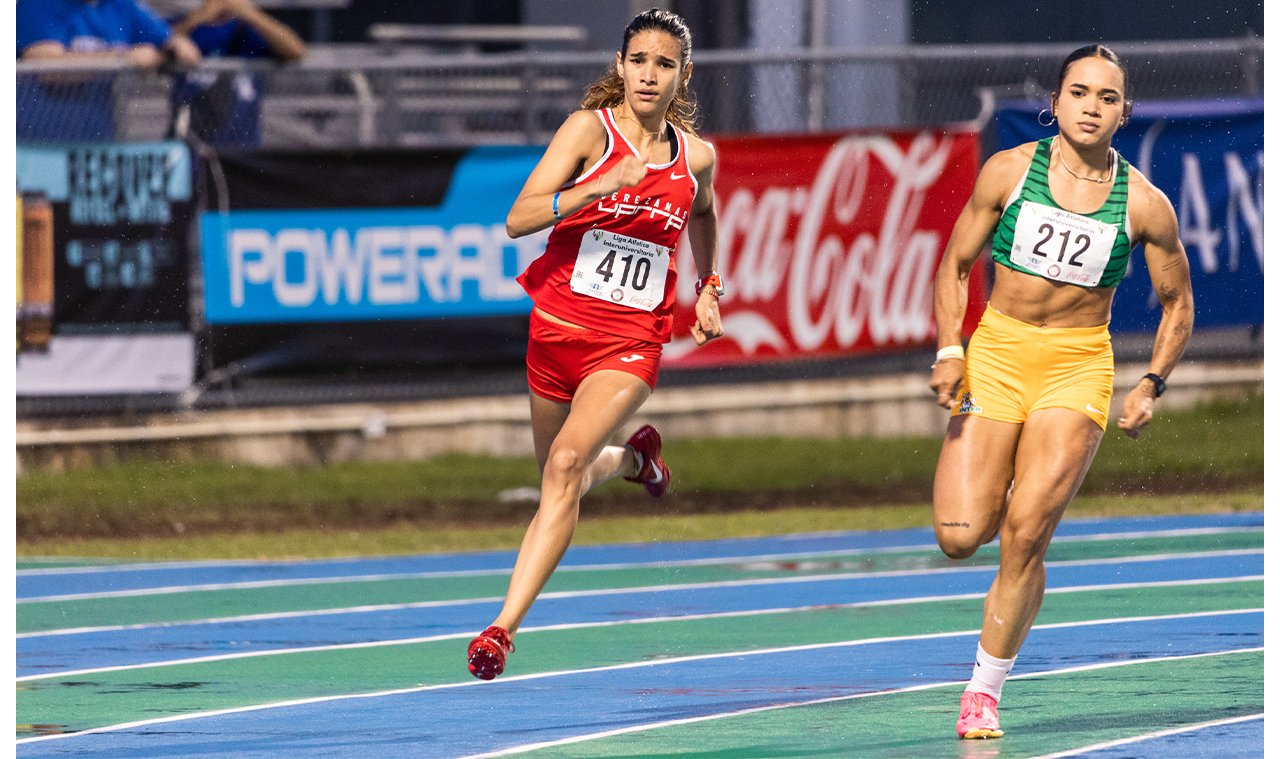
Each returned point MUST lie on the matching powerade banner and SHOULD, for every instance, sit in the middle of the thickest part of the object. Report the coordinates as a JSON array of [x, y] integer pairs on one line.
[[121, 215], [1207, 157], [444, 252], [829, 244]]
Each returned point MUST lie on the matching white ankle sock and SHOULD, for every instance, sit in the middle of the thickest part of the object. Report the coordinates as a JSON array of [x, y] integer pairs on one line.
[[989, 674]]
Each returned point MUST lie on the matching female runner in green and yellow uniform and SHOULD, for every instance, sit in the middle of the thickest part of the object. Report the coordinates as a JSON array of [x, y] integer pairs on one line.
[[1030, 401]]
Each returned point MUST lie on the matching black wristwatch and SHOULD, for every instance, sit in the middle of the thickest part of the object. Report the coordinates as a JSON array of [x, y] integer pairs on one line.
[[1156, 380]]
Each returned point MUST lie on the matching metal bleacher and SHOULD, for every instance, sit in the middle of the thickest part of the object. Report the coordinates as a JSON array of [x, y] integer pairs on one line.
[[422, 85], [433, 86]]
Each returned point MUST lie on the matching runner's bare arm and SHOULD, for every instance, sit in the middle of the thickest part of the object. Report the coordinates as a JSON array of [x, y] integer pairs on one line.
[[579, 142], [1156, 226], [703, 238], [969, 236]]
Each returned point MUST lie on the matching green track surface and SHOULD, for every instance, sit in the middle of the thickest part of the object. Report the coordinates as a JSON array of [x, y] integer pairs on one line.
[[85, 701], [1040, 715], [210, 604]]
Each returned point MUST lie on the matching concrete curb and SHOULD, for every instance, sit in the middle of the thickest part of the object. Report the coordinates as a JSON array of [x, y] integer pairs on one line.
[[890, 405]]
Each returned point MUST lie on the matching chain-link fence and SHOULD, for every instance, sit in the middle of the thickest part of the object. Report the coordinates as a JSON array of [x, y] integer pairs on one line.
[[350, 96]]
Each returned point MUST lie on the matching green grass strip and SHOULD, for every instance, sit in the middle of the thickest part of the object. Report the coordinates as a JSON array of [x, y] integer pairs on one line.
[[94, 700], [1040, 715], [1221, 439], [175, 607], [56, 563]]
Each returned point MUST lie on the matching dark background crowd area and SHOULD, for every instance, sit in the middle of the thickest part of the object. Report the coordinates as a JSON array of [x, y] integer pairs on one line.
[[724, 24]]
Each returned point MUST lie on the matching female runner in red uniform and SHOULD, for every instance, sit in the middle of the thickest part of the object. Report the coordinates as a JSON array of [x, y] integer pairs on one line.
[[620, 181]]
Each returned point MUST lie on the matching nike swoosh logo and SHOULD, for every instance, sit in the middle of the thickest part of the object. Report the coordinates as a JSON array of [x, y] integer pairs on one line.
[[632, 357], [657, 478], [1090, 407], [678, 176]]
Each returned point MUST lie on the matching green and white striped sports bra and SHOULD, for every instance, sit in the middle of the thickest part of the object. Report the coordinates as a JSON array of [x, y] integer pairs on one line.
[[1037, 236]]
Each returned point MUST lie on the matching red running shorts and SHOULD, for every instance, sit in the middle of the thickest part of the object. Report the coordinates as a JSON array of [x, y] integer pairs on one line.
[[561, 357]]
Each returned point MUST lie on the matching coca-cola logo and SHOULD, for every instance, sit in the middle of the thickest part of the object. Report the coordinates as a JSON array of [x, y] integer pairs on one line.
[[641, 301], [809, 247]]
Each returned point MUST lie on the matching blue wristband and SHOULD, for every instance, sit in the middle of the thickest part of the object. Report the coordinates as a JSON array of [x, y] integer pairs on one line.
[[555, 207]]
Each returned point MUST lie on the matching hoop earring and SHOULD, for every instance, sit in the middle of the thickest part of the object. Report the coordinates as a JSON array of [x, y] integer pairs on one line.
[[1040, 118]]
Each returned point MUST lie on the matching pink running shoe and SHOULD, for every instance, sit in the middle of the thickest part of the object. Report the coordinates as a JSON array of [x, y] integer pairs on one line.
[[978, 717], [654, 474], [487, 654]]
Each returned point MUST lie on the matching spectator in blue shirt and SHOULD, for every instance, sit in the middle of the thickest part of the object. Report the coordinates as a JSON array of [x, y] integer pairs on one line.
[[49, 29], [223, 108]]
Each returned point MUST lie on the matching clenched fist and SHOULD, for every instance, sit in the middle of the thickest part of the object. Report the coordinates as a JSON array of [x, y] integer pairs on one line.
[[625, 173]]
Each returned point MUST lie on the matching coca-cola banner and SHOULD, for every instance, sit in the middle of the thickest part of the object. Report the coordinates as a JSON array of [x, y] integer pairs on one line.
[[829, 244]]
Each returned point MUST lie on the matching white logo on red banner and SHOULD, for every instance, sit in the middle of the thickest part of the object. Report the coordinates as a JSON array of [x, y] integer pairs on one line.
[[829, 252]]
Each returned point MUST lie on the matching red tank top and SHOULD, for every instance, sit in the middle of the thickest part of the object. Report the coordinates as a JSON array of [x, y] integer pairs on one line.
[[611, 265]]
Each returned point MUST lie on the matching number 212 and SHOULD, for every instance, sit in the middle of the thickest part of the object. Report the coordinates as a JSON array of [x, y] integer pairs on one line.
[[1066, 237]]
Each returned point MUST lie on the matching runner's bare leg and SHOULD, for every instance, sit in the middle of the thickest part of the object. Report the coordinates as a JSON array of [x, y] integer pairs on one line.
[[571, 454], [1054, 453], [971, 485]]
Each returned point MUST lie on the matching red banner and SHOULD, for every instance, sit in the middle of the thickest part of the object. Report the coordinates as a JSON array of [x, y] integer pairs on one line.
[[829, 244]]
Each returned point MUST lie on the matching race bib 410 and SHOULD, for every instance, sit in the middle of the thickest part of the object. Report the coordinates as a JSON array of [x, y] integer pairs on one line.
[[1061, 245], [621, 269]]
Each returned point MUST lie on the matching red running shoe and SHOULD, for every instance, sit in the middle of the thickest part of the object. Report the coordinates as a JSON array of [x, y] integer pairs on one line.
[[487, 654], [653, 474]]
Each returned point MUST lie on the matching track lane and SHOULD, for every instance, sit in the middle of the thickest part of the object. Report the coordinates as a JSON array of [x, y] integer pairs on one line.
[[559, 705], [130, 646], [60, 581]]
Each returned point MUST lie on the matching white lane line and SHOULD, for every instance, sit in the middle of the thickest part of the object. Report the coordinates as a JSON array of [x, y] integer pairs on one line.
[[610, 623], [498, 599], [726, 583], [1149, 736], [263, 616], [254, 585], [647, 663], [91, 568], [1183, 533], [832, 554]]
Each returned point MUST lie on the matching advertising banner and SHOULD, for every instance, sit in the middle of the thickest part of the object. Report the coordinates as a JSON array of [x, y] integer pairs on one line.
[[121, 215], [829, 244], [1207, 158], [324, 243]]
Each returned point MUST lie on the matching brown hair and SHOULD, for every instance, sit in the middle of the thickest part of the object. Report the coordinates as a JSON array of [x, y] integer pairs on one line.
[[1095, 51], [609, 90]]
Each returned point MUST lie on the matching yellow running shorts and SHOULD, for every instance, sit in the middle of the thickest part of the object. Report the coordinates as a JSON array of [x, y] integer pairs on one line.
[[1013, 368]]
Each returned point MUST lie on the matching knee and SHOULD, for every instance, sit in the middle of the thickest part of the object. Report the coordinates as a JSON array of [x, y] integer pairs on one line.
[[564, 464], [960, 537], [957, 542], [1023, 546]]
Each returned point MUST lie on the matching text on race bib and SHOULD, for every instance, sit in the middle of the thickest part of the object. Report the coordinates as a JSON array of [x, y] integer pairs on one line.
[[1061, 245], [621, 270]]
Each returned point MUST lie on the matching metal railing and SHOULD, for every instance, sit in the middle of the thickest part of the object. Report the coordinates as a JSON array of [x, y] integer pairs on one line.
[[364, 95]]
